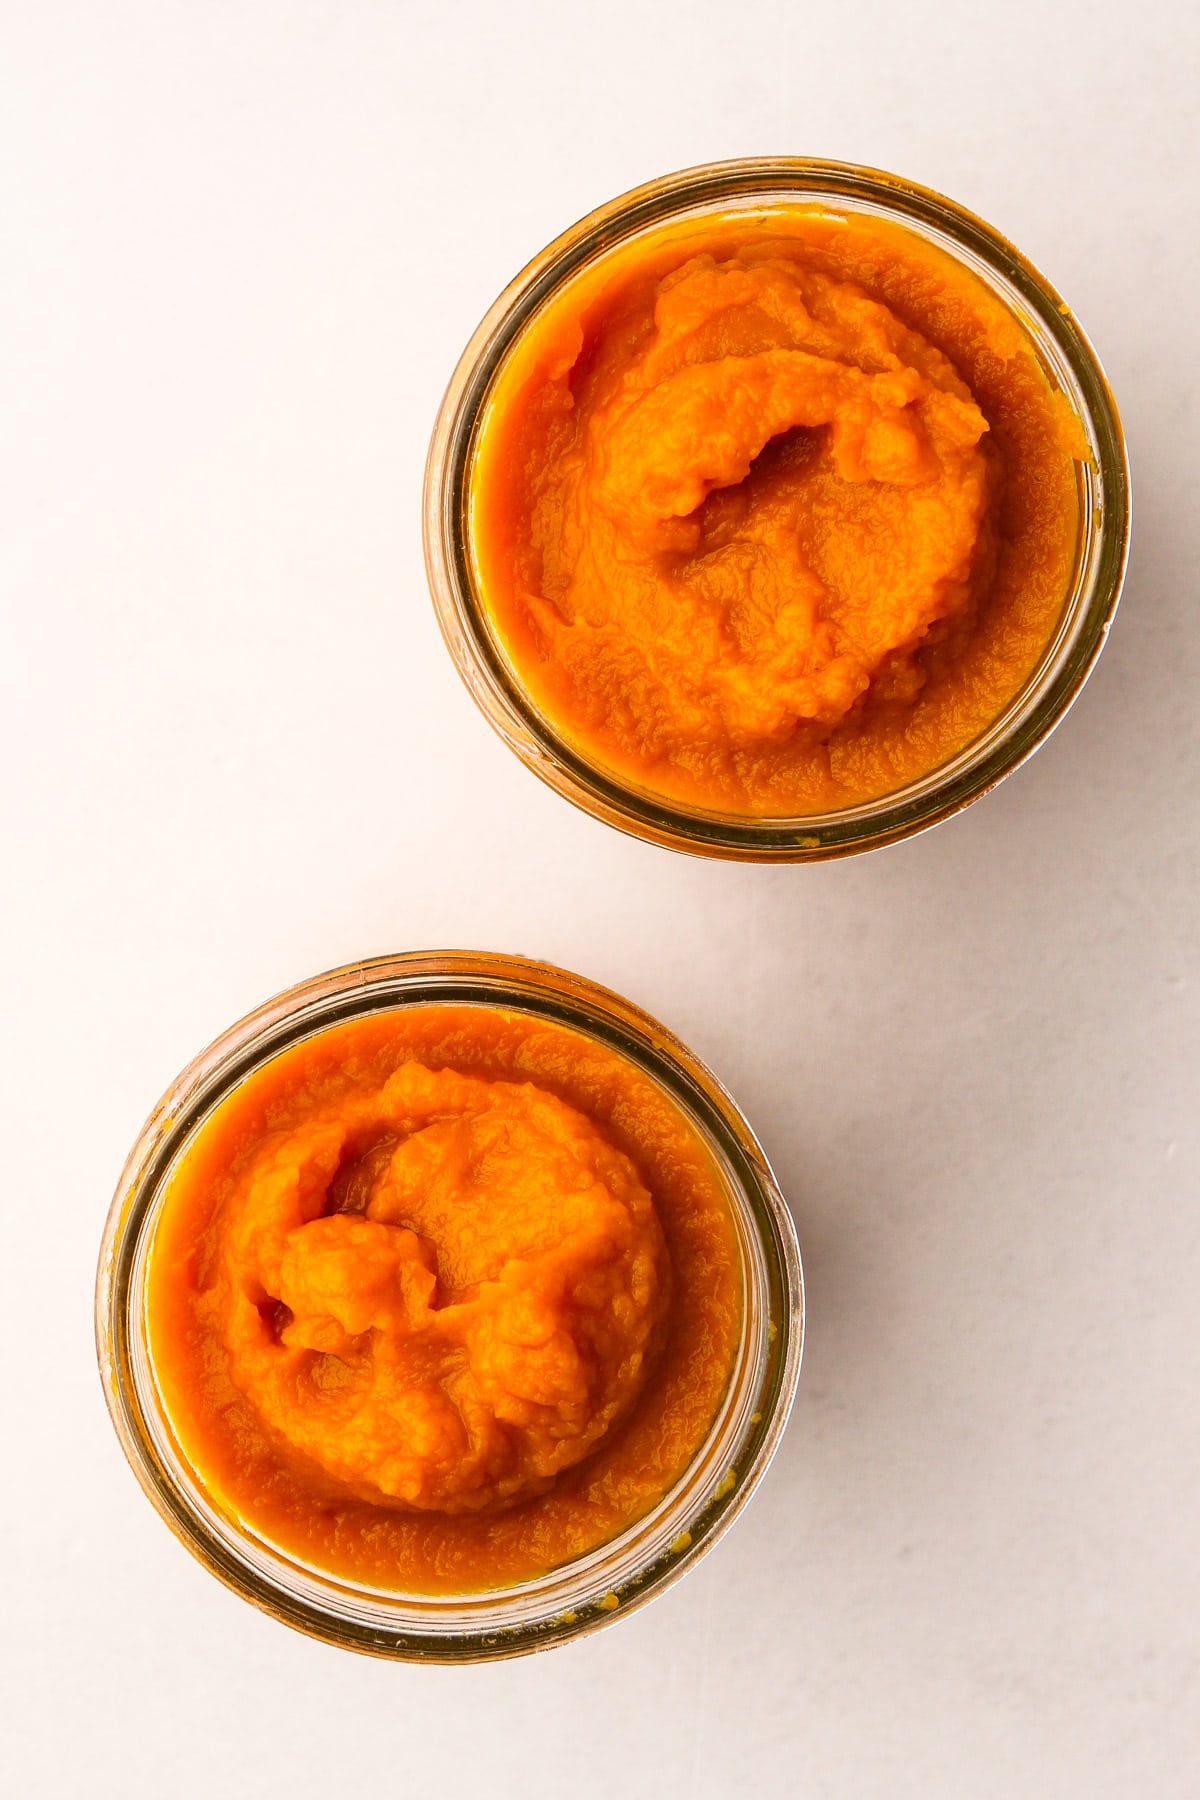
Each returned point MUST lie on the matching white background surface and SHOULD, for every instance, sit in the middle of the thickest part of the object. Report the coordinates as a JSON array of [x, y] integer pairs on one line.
[[244, 244]]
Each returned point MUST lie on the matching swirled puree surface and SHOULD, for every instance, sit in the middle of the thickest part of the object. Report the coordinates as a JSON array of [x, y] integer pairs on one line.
[[443, 1298], [774, 516]]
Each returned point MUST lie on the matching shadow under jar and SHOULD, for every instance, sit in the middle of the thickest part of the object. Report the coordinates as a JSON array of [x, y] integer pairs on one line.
[[664, 438], [220, 1162]]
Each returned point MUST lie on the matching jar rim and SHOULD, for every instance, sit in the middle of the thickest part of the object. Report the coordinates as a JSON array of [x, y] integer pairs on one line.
[[592, 1590], [1021, 726]]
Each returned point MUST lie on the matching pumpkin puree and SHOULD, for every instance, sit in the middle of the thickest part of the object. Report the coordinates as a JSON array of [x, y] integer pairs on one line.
[[443, 1297], [774, 516]]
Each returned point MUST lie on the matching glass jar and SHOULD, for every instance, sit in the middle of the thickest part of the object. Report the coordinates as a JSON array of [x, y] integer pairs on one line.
[[755, 187], [593, 1590]]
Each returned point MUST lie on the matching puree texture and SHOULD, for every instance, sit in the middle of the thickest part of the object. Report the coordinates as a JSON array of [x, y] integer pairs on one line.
[[777, 518], [443, 1298]]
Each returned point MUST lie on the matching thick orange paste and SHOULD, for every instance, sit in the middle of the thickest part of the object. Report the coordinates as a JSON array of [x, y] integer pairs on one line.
[[444, 1297], [776, 516]]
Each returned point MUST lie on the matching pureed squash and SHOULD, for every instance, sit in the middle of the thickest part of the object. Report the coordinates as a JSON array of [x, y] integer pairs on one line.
[[443, 1297], [773, 515]]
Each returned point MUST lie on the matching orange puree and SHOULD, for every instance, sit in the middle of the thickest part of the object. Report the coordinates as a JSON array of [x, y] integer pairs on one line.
[[774, 516], [443, 1297]]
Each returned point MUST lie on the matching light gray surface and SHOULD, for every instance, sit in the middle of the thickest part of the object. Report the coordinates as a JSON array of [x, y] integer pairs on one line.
[[250, 241]]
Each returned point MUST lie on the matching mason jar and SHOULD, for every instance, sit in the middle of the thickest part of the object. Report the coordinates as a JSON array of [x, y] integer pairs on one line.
[[755, 190], [595, 1589]]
